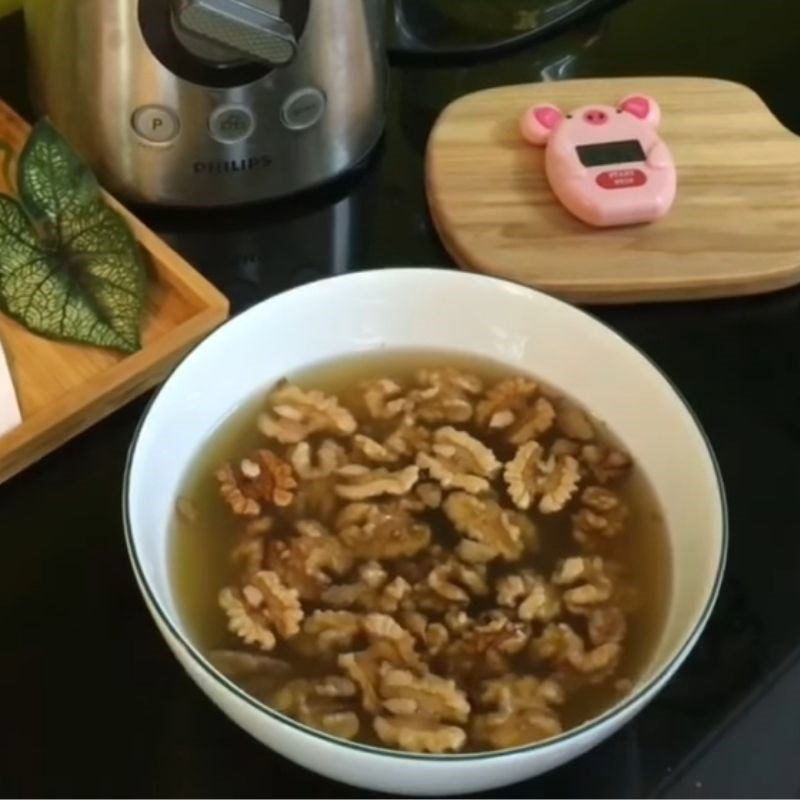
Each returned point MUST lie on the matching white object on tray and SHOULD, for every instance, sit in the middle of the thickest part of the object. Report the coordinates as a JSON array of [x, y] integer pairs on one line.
[[10, 415]]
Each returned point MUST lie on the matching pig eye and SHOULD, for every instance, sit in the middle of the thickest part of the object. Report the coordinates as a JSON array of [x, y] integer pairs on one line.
[[569, 116], [619, 111]]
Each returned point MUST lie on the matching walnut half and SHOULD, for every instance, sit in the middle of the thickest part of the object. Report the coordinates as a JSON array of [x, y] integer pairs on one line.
[[358, 482], [372, 592], [295, 414], [445, 395], [381, 531], [459, 461], [265, 606], [482, 647], [458, 582], [327, 632], [323, 704], [307, 561], [602, 516], [428, 695], [523, 712], [594, 584], [264, 479], [559, 645], [530, 594], [551, 481], [419, 735], [512, 406], [484, 521], [389, 644]]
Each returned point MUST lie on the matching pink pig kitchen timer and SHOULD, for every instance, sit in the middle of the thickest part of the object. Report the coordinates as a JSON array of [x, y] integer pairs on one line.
[[608, 166]]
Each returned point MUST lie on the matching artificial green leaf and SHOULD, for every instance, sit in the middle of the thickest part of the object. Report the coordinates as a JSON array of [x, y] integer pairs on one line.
[[69, 266], [7, 163], [54, 185], [39, 292]]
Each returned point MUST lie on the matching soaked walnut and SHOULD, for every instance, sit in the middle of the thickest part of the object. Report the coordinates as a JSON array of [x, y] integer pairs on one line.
[[263, 480], [483, 646], [446, 395], [515, 407], [372, 592], [530, 594], [382, 398], [528, 531], [325, 704], [316, 500], [381, 626], [307, 562], [295, 414], [531, 477], [430, 494], [326, 633], [419, 735], [248, 554], [475, 552], [594, 585], [602, 516], [359, 482], [404, 557], [605, 463], [389, 644], [369, 451], [457, 582], [559, 645], [459, 461], [409, 439], [309, 465], [264, 607], [457, 620], [241, 664], [533, 422], [416, 568], [423, 598], [522, 712], [504, 402], [484, 521], [573, 422], [431, 636], [606, 625], [381, 531], [429, 696], [233, 493]]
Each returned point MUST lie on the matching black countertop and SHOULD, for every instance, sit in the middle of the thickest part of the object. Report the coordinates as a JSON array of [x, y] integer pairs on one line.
[[94, 704]]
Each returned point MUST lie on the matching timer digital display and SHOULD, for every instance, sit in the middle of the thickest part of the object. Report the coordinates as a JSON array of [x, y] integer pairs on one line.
[[605, 153]]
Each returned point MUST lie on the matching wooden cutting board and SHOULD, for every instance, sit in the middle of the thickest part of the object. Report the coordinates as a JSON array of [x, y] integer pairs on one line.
[[734, 228], [63, 389]]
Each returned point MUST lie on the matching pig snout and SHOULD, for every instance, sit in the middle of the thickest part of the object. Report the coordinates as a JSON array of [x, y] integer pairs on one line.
[[594, 116]]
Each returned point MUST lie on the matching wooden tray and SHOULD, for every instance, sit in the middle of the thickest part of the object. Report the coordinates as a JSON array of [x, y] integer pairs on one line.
[[63, 389], [734, 229]]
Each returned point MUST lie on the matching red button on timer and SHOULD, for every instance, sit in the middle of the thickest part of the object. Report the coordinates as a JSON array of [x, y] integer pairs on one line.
[[621, 179]]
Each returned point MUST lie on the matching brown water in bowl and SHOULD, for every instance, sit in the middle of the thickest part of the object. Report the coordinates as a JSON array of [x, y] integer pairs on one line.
[[201, 567]]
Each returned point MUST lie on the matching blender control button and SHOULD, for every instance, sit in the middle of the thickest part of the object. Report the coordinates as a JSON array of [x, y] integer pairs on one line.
[[231, 124], [303, 109], [156, 124]]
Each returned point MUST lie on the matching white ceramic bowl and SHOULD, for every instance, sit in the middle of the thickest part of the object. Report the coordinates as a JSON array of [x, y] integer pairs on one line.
[[439, 310]]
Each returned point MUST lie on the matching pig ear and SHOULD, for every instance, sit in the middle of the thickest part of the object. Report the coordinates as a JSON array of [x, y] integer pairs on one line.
[[645, 108], [539, 122]]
